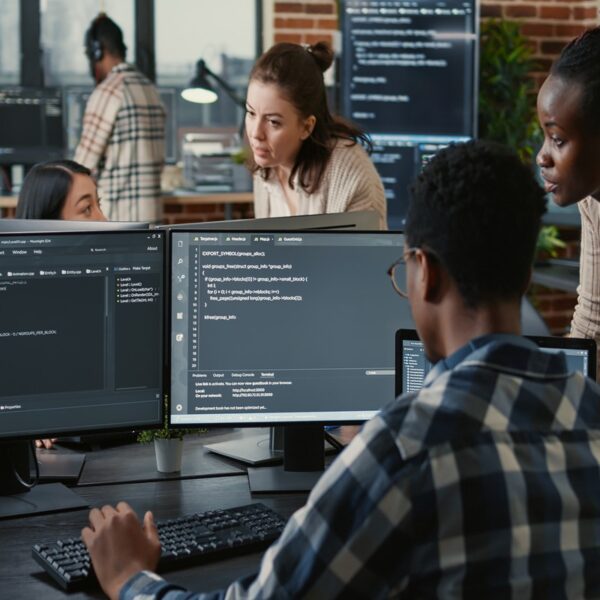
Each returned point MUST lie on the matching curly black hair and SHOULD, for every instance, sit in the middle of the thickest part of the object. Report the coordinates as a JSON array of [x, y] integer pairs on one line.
[[579, 62], [479, 209]]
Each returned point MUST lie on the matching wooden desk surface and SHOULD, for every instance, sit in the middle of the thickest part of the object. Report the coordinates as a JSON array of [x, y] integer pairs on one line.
[[22, 578], [136, 462]]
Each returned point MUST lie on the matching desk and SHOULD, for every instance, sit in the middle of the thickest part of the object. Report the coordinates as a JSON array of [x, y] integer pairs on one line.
[[22, 578], [136, 462], [187, 198]]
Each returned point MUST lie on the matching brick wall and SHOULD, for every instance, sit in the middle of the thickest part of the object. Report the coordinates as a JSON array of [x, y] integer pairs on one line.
[[305, 22]]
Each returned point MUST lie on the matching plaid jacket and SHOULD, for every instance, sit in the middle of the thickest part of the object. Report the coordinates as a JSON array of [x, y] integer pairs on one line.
[[484, 484], [122, 142]]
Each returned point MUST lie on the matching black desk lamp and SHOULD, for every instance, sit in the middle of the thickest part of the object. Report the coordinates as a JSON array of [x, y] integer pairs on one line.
[[201, 91]]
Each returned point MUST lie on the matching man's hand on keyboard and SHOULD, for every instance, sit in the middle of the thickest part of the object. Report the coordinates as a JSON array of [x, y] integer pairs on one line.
[[120, 546]]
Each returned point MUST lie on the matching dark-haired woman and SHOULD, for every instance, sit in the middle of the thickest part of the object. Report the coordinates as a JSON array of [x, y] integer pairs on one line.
[[306, 161], [569, 113], [61, 189]]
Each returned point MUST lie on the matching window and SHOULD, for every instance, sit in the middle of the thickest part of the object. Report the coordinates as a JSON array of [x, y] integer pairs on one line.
[[188, 30], [10, 42], [63, 26]]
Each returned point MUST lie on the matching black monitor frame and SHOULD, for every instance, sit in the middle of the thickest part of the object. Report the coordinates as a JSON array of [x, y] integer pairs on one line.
[[19, 498], [303, 441], [542, 341], [402, 147]]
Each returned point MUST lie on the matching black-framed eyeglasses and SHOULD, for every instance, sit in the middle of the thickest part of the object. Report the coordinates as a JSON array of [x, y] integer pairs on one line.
[[397, 275]]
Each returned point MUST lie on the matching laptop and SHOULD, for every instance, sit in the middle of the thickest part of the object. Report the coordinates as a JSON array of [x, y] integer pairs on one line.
[[412, 365]]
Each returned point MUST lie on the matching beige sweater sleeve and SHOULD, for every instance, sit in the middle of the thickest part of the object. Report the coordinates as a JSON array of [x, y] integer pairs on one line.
[[353, 183], [586, 319], [261, 197]]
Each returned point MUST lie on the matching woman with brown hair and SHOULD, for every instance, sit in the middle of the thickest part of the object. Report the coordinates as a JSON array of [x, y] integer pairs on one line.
[[305, 160]]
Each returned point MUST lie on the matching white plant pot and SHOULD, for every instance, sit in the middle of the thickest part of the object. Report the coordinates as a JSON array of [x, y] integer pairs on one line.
[[168, 455]]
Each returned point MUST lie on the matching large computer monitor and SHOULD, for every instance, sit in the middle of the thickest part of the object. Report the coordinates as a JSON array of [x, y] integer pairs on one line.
[[409, 79], [289, 328], [32, 125], [81, 340]]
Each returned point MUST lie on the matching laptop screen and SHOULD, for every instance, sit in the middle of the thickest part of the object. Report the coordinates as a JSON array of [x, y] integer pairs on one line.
[[412, 365]]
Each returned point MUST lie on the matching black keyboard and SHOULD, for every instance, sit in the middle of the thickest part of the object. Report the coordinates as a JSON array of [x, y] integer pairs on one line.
[[188, 540]]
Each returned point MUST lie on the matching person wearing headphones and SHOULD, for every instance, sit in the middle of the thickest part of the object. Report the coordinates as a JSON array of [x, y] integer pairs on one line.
[[123, 136]]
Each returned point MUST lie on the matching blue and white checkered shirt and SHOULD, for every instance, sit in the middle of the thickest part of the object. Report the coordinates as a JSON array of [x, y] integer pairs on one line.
[[484, 484]]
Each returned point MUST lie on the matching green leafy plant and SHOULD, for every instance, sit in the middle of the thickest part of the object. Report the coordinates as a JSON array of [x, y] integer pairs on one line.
[[165, 432], [240, 156], [507, 112], [549, 242], [506, 90]]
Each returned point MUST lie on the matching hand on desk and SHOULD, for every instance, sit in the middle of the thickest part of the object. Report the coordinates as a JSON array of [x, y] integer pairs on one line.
[[48, 443], [120, 546]]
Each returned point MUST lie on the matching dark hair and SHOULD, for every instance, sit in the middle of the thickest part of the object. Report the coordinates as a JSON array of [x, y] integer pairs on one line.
[[580, 62], [298, 72], [479, 208], [104, 35], [45, 189]]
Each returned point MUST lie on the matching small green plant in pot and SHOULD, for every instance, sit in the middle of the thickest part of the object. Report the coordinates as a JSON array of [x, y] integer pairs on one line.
[[168, 443]]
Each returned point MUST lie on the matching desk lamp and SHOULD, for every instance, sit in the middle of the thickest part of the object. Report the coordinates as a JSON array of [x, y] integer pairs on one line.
[[201, 91]]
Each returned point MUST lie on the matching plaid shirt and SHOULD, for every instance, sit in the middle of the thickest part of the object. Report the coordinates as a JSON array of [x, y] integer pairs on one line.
[[484, 484], [122, 142]]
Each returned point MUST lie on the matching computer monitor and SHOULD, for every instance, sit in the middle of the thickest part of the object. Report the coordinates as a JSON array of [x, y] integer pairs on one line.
[[289, 328], [32, 125], [81, 340], [409, 79], [364, 220], [56, 225], [75, 99], [412, 365]]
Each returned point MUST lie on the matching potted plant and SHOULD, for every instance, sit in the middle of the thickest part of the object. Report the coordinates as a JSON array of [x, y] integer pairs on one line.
[[507, 112], [168, 443]]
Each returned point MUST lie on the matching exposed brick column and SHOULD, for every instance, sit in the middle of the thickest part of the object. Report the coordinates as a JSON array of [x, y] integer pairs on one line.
[[305, 22]]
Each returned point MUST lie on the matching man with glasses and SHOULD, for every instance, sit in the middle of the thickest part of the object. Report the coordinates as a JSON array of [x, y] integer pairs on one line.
[[485, 483]]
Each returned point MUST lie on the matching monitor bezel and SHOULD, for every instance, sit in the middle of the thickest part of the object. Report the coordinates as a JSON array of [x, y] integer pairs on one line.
[[152, 425], [11, 226], [541, 341], [346, 221], [266, 423]]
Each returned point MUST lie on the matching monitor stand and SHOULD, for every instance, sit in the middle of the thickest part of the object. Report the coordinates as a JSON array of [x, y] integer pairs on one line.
[[55, 465], [265, 448], [17, 499], [303, 463]]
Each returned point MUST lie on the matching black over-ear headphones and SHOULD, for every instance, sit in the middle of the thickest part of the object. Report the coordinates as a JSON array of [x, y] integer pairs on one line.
[[94, 47]]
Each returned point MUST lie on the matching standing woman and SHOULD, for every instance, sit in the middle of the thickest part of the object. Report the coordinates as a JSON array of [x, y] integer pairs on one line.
[[305, 160], [569, 113]]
